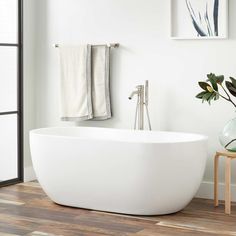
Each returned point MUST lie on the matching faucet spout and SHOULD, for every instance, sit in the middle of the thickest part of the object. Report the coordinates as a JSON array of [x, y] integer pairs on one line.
[[132, 94]]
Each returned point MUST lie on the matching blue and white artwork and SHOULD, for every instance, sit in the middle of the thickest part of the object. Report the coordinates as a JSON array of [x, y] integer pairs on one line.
[[199, 19]]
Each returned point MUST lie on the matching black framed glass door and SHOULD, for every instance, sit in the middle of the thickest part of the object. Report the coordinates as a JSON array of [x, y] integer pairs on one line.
[[11, 92]]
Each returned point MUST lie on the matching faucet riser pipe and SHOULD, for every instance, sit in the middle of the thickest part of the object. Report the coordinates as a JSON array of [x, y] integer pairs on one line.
[[141, 111], [141, 107]]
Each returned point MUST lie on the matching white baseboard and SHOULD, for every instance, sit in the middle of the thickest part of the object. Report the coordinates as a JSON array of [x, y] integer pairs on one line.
[[206, 191], [29, 174]]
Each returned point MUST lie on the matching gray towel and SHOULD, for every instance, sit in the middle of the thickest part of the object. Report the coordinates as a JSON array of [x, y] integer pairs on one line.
[[85, 92], [100, 83]]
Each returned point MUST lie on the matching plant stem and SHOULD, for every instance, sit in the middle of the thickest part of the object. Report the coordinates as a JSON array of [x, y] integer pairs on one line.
[[227, 99], [225, 91], [222, 96]]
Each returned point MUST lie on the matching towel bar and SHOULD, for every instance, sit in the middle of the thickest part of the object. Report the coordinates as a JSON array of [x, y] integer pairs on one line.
[[110, 45]]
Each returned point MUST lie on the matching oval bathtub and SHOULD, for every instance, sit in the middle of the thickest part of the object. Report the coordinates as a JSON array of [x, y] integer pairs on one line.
[[123, 171]]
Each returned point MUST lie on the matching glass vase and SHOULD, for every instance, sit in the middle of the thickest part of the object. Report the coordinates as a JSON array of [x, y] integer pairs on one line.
[[228, 136]]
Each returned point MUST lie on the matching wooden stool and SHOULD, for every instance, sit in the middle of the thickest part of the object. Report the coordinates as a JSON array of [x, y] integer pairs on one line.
[[229, 156]]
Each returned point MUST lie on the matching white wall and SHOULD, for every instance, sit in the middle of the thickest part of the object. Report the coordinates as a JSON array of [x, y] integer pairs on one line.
[[142, 28]]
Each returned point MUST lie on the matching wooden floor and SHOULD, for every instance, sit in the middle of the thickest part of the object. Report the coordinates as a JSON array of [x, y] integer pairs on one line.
[[26, 210]]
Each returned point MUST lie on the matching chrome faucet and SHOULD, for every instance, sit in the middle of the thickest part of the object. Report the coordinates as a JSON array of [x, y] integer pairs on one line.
[[142, 101]]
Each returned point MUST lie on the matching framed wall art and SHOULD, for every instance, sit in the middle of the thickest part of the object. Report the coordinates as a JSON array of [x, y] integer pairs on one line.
[[199, 19]]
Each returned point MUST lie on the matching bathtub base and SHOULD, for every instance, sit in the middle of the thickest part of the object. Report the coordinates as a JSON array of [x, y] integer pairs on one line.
[[120, 171], [136, 213]]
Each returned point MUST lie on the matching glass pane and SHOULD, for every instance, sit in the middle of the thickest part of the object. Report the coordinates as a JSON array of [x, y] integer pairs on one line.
[[8, 147], [8, 21], [8, 79]]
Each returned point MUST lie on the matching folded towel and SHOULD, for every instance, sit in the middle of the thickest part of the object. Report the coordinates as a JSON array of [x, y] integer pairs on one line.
[[76, 101], [100, 82]]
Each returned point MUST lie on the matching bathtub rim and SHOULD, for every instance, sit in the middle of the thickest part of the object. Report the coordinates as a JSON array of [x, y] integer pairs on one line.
[[199, 137]]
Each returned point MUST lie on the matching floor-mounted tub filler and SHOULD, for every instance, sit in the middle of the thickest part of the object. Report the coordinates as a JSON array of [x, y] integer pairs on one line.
[[122, 171]]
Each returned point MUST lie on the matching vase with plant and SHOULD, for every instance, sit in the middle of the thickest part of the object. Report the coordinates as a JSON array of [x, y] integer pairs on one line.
[[214, 88]]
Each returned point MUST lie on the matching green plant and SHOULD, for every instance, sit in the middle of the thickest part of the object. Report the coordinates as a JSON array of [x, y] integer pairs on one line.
[[214, 85]]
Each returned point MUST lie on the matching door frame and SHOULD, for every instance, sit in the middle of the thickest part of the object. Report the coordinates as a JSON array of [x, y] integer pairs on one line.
[[19, 112]]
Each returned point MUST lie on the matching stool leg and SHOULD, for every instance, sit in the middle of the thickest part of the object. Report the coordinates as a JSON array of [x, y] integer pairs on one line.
[[228, 186], [216, 168]]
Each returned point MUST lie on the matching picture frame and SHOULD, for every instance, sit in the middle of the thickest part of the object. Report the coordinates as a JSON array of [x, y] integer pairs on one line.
[[199, 19]]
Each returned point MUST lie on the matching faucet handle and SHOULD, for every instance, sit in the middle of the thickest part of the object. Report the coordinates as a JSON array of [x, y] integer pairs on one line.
[[139, 86]]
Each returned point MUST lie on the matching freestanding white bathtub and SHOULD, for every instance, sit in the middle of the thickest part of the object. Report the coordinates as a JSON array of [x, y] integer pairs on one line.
[[123, 171]]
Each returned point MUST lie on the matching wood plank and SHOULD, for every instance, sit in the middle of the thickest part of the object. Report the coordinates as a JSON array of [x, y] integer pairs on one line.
[[25, 211], [38, 233], [170, 232], [6, 234], [11, 202], [12, 229]]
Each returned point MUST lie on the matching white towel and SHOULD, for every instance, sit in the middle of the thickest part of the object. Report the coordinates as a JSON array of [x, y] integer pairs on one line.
[[100, 82], [76, 101]]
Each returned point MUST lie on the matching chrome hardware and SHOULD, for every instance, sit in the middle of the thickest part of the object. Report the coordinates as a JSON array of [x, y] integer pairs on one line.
[[142, 93]]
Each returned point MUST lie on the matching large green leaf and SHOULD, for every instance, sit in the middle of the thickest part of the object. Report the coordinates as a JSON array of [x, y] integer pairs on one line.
[[233, 81], [217, 96], [200, 95], [206, 97], [231, 88], [214, 84], [211, 98], [219, 79], [204, 85], [210, 76]]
